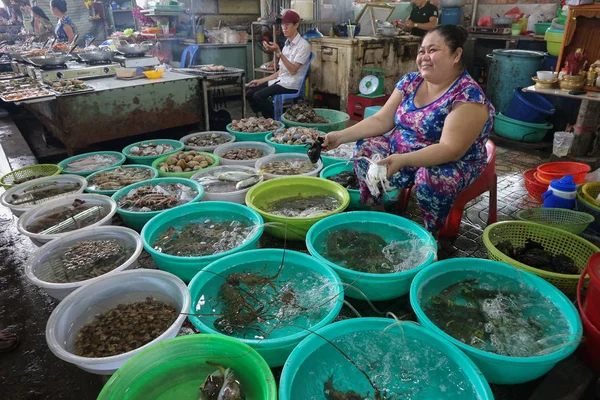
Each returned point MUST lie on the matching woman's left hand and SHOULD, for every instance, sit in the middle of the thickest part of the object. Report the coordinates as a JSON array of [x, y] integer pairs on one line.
[[393, 163]]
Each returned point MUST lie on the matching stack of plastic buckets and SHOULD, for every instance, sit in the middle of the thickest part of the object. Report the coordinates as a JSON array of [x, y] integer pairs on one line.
[[554, 34], [451, 12]]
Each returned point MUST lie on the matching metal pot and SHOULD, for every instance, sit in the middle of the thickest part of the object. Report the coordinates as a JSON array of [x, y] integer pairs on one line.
[[134, 49], [49, 60], [97, 55], [502, 21], [452, 3]]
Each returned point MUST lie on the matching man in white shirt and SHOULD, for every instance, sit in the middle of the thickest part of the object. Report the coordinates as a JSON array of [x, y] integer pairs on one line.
[[293, 62]]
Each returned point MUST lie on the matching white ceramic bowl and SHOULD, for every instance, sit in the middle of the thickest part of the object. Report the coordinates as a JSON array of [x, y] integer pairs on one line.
[[230, 139], [81, 307], [546, 75], [267, 150], [44, 208], [6, 199], [38, 269], [238, 196], [288, 156]]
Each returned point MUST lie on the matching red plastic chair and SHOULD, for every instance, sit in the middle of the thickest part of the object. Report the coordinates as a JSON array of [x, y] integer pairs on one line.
[[487, 181]]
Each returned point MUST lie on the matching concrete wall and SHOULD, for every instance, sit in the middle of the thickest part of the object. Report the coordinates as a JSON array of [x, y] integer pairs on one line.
[[238, 12]]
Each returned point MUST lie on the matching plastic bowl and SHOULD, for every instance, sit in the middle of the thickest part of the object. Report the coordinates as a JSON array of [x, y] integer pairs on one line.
[[287, 156], [374, 286], [297, 267], [63, 164], [39, 271], [148, 160], [81, 307], [498, 368], [518, 130], [546, 75], [189, 174], [209, 149], [159, 372], [314, 360], [338, 119], [557, 170], [237, 196], [187, 267], [561, 218], [18, 210], [288, 148], [533, 186], [154, 74], [541, 27], [40, 170], [294, 228], [250, 136], [355, 203], [111, 192], [137, 219], [267, 150], [41, 209]]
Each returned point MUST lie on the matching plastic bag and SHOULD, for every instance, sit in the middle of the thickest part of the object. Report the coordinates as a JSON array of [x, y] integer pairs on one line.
[[562, 143], [593, 176]]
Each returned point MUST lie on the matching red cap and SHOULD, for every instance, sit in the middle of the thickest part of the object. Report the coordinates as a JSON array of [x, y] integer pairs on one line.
[[290, 17]]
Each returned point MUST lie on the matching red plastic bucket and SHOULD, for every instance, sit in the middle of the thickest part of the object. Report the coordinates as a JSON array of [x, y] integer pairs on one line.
[[590, 349]]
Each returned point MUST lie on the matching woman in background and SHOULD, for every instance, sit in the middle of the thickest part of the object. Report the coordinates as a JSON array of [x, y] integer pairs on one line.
[[65, 29], [42, 26]]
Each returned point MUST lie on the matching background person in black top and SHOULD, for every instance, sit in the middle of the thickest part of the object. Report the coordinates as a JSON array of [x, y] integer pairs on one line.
[[423, 17]]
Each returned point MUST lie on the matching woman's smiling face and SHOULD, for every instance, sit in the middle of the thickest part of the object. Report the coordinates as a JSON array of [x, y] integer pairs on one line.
[[435, 61]]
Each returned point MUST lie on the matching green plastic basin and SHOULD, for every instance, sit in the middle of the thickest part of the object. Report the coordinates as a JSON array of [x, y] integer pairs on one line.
[[148, 160], [189, 174], [542, 27], [496, 368], [186, 267], [287, 148], [136, 219], [355, 203], [63, 164], [266, 192], [250, 136], [518, 130], [280, 340], [111, 192], [375, 286], [338, 119], [554, 39], [175, 369]]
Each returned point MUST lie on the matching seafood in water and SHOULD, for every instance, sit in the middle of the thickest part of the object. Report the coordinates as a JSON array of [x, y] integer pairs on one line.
[[91, 163], [68, 218], [156, 197], [255, 124], [87, 259], [359, 251], [150, 149], [534, 255], [118, 178], [207, 140], [347, 179], [288, 167], [42, 192], [333, 394], [222, 384], [186, 162], [305, 114], [205, 238], [124, 328], [243, 153], [302, 207], [228, 181], [295, 135]]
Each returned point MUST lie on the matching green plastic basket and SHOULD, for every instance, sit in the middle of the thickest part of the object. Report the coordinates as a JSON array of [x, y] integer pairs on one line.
[[28, 173], [590, 192], [590, 208], [183, 174], [148, 160], [250, 136], [556, 241], [67, 161], [338, 119], [561, 218], [288, 148]]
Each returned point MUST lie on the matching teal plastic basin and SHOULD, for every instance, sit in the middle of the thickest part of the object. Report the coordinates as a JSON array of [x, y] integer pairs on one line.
[[374, 286], [518, 130], [497, 368], [136, 219], [279, 343], [111, 192], [250, 136], [63, 164], [338, 119], [177, 146], [355, 203], [287, 148], [314, 361], [186, 267], [175, 369]]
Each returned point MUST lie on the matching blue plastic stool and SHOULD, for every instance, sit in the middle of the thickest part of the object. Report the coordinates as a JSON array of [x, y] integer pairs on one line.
[[370, 111], [279, 99], [191, 50]]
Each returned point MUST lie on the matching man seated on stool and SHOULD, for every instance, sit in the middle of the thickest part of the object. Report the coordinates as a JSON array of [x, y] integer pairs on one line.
[[293, 61]]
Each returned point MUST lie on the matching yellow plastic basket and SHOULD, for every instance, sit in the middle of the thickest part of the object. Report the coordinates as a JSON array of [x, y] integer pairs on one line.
[[590, 192], [561, 218], [28, 173], [555, 241]]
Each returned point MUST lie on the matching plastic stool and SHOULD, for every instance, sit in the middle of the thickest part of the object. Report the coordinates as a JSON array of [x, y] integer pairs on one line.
[[191, 50], [370, 111], [487, 181]]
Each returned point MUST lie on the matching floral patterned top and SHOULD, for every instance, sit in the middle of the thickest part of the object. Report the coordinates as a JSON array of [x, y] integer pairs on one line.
[[419, 127], [61, 35]]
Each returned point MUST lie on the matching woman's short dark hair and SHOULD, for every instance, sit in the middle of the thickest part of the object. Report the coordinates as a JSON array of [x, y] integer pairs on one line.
[[455, 36], [60, 5], [40, 13]]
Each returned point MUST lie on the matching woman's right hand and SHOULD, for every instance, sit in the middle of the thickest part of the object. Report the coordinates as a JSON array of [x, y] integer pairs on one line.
[[254, 83], [332, 140]]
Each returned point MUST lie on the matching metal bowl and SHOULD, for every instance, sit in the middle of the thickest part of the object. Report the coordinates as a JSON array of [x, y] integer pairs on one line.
[[502, 21], [131, 49], [45, 60], [92, 56]]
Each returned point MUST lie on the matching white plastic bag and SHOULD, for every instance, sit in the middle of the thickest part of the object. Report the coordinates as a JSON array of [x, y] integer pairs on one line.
[[562, 143], [593, 176]]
